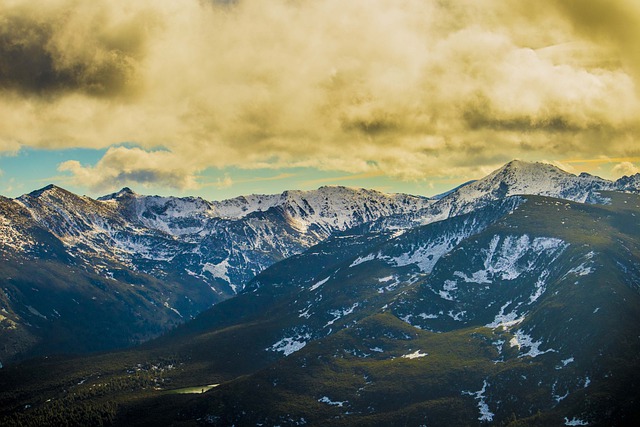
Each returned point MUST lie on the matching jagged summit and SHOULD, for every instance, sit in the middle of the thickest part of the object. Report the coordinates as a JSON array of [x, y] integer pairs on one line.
[[219, 244], [529, 178], [486, 317], [523, 178], [46, 189], [326, 201], [518, 169], [629, 183], [224, 243], [209, 251], [124, 192]]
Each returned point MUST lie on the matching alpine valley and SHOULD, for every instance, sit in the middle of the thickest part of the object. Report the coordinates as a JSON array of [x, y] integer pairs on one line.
[[513, 300]]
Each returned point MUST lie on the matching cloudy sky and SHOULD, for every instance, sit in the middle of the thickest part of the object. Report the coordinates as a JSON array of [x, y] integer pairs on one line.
[[219, 98]]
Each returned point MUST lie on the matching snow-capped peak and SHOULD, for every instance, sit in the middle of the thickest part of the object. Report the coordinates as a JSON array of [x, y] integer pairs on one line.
[[337, 207], [125, 192], [533, 178], [325, 202], [524, 178], [232, 240], [242, 206], [50, 189], [629, 183]]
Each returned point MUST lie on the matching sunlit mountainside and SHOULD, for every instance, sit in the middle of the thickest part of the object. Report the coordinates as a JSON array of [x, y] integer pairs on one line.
[[512, 300]]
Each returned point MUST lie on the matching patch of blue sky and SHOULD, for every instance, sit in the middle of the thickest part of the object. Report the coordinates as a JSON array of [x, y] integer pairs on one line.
[[31, 169]]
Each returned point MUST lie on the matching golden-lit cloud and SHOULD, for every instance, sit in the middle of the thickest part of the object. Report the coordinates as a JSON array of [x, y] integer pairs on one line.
[[225, 182], [625, 168], [611, 23], [121, 166], [409, 88]]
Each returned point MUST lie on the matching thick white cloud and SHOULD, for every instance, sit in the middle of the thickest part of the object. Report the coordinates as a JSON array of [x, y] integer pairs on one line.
[[121, 166], [410, 88], [625, 169]]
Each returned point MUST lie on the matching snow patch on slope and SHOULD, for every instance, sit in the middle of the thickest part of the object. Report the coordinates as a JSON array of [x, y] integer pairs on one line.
[[361, 260], [575, 422], [320, 283], [541, 287], [483, 407], [505, 320], [504, 257], [338, 314], [325, 399], [449, 286], [289, 345], [521, 340], [12, 238], [415, 355], [425, 257], [219, 270]]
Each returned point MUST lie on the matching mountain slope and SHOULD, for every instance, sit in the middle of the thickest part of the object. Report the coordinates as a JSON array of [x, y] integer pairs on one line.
[[535, 326], [520, 178], [132, 266], [222, 244], [178, 256], [534, 314]]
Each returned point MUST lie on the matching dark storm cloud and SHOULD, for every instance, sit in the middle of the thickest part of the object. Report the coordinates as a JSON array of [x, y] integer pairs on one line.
[[482, 118], [42, 57], [614, 21]]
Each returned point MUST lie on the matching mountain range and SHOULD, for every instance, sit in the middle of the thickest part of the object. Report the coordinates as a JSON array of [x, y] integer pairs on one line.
[[133, 266], [510, 300]]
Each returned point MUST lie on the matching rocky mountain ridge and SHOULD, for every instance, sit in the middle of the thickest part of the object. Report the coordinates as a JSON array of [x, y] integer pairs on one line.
[[525, 178], [175, 257], [519, 313], [141, 230]]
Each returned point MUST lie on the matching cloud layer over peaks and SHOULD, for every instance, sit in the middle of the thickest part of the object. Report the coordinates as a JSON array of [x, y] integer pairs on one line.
[[410, 88]]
